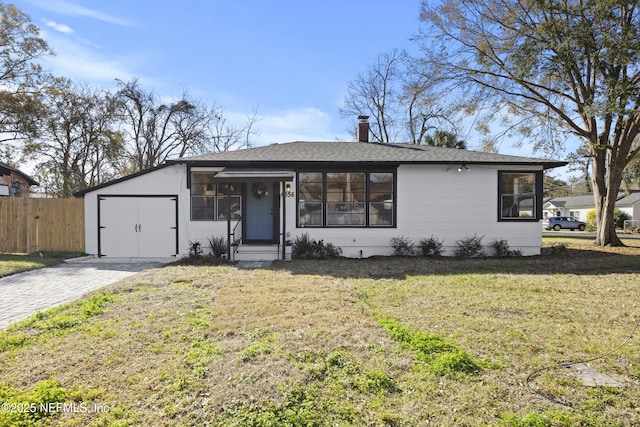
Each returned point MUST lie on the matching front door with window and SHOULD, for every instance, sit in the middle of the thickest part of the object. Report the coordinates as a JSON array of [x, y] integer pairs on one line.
[[260, 213]]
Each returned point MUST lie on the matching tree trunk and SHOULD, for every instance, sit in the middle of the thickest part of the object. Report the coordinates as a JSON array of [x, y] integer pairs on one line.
[[605, 192]]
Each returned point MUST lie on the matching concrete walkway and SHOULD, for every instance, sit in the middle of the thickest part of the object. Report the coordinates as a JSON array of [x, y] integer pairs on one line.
[[23, 294]]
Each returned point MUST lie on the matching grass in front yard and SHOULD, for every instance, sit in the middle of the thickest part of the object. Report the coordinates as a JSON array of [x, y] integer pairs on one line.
[[398, 342], [17, 263]]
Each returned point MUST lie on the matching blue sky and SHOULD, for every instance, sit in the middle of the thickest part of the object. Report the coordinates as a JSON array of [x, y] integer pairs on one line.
[[290, 60]]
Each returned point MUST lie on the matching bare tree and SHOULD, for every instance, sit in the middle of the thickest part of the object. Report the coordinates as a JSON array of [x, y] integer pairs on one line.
[[21, 78], [76, 142], [250, 131], [425, 106], [402, 96], [376, 93], [156, 131], [553, 66]]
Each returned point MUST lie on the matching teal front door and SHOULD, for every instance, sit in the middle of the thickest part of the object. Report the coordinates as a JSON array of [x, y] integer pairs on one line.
[[260, 216]]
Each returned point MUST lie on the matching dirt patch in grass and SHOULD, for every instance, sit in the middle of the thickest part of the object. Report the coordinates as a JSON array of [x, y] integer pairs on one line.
[[341, 343]]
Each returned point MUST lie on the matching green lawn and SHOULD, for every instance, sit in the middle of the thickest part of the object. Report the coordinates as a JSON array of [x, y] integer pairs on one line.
[[16, 263], [384, 341]]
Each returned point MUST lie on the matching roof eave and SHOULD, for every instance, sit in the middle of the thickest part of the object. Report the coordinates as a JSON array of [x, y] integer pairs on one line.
[[546, 164]]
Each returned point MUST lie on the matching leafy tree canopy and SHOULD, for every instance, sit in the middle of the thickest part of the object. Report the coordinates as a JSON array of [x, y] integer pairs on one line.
[[555, 67]]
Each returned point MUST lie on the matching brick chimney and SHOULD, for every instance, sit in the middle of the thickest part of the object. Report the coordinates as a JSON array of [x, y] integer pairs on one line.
[[363, 129]]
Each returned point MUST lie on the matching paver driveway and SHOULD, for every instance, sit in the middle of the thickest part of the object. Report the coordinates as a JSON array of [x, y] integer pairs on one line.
[[21, 295]]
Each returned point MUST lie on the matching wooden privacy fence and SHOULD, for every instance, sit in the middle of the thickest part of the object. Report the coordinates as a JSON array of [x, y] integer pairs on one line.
[[30, 225]]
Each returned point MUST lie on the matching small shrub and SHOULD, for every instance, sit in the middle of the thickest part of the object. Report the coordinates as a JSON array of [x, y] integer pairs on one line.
[[619, 217], [304, 247], [556, 248], [218, 246], [431, 246], [195, 250], [501, 249], [469, 247], [402, 246], [591, 221], [329, 250]]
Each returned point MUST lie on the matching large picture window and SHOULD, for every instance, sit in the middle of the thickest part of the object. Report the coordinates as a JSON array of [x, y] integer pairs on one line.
[[381, 206], [209, 200], [346, 199], [310, 191], [520, 195]]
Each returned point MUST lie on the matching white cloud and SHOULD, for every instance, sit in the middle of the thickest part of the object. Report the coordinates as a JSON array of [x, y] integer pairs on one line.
[[80, 60], [64, 7], [59, 27], [300, 124]]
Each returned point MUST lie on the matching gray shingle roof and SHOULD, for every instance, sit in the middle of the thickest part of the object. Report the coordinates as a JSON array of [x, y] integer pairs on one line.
[[573, 201], [587, 200], [629, 200], [350, 152]]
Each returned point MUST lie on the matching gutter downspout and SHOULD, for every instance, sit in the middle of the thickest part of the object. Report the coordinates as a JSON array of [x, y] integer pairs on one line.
[[228, 222]]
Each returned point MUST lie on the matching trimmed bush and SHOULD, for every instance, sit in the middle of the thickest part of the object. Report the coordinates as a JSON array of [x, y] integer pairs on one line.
[[469, 247], [402, 246], [305, 248], [431, 246], [501, 249]]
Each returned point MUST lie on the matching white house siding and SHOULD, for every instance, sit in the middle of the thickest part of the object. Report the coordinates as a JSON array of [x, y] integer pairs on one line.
[[431, 201], [171, 180], [434, 201]]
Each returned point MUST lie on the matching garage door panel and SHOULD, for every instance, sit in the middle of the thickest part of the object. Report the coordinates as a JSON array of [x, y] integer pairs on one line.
[[118, 219], [157, 233], [138, 226]]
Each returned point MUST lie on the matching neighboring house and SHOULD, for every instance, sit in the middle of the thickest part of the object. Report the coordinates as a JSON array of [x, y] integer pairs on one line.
[[574, 207], [14, 183], [356, 195], [578, 206], [630, 205]]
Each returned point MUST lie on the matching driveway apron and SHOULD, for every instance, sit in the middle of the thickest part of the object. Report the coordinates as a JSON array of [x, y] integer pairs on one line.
[[23, 294]]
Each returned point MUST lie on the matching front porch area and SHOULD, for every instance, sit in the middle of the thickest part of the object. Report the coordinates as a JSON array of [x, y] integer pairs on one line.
[[259, 233], [260, 252]]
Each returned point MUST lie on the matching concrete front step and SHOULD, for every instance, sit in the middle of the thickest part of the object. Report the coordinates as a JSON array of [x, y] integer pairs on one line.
[[260, 253]]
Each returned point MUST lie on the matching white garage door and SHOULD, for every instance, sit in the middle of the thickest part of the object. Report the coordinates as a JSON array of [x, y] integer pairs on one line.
[[138, 226]]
